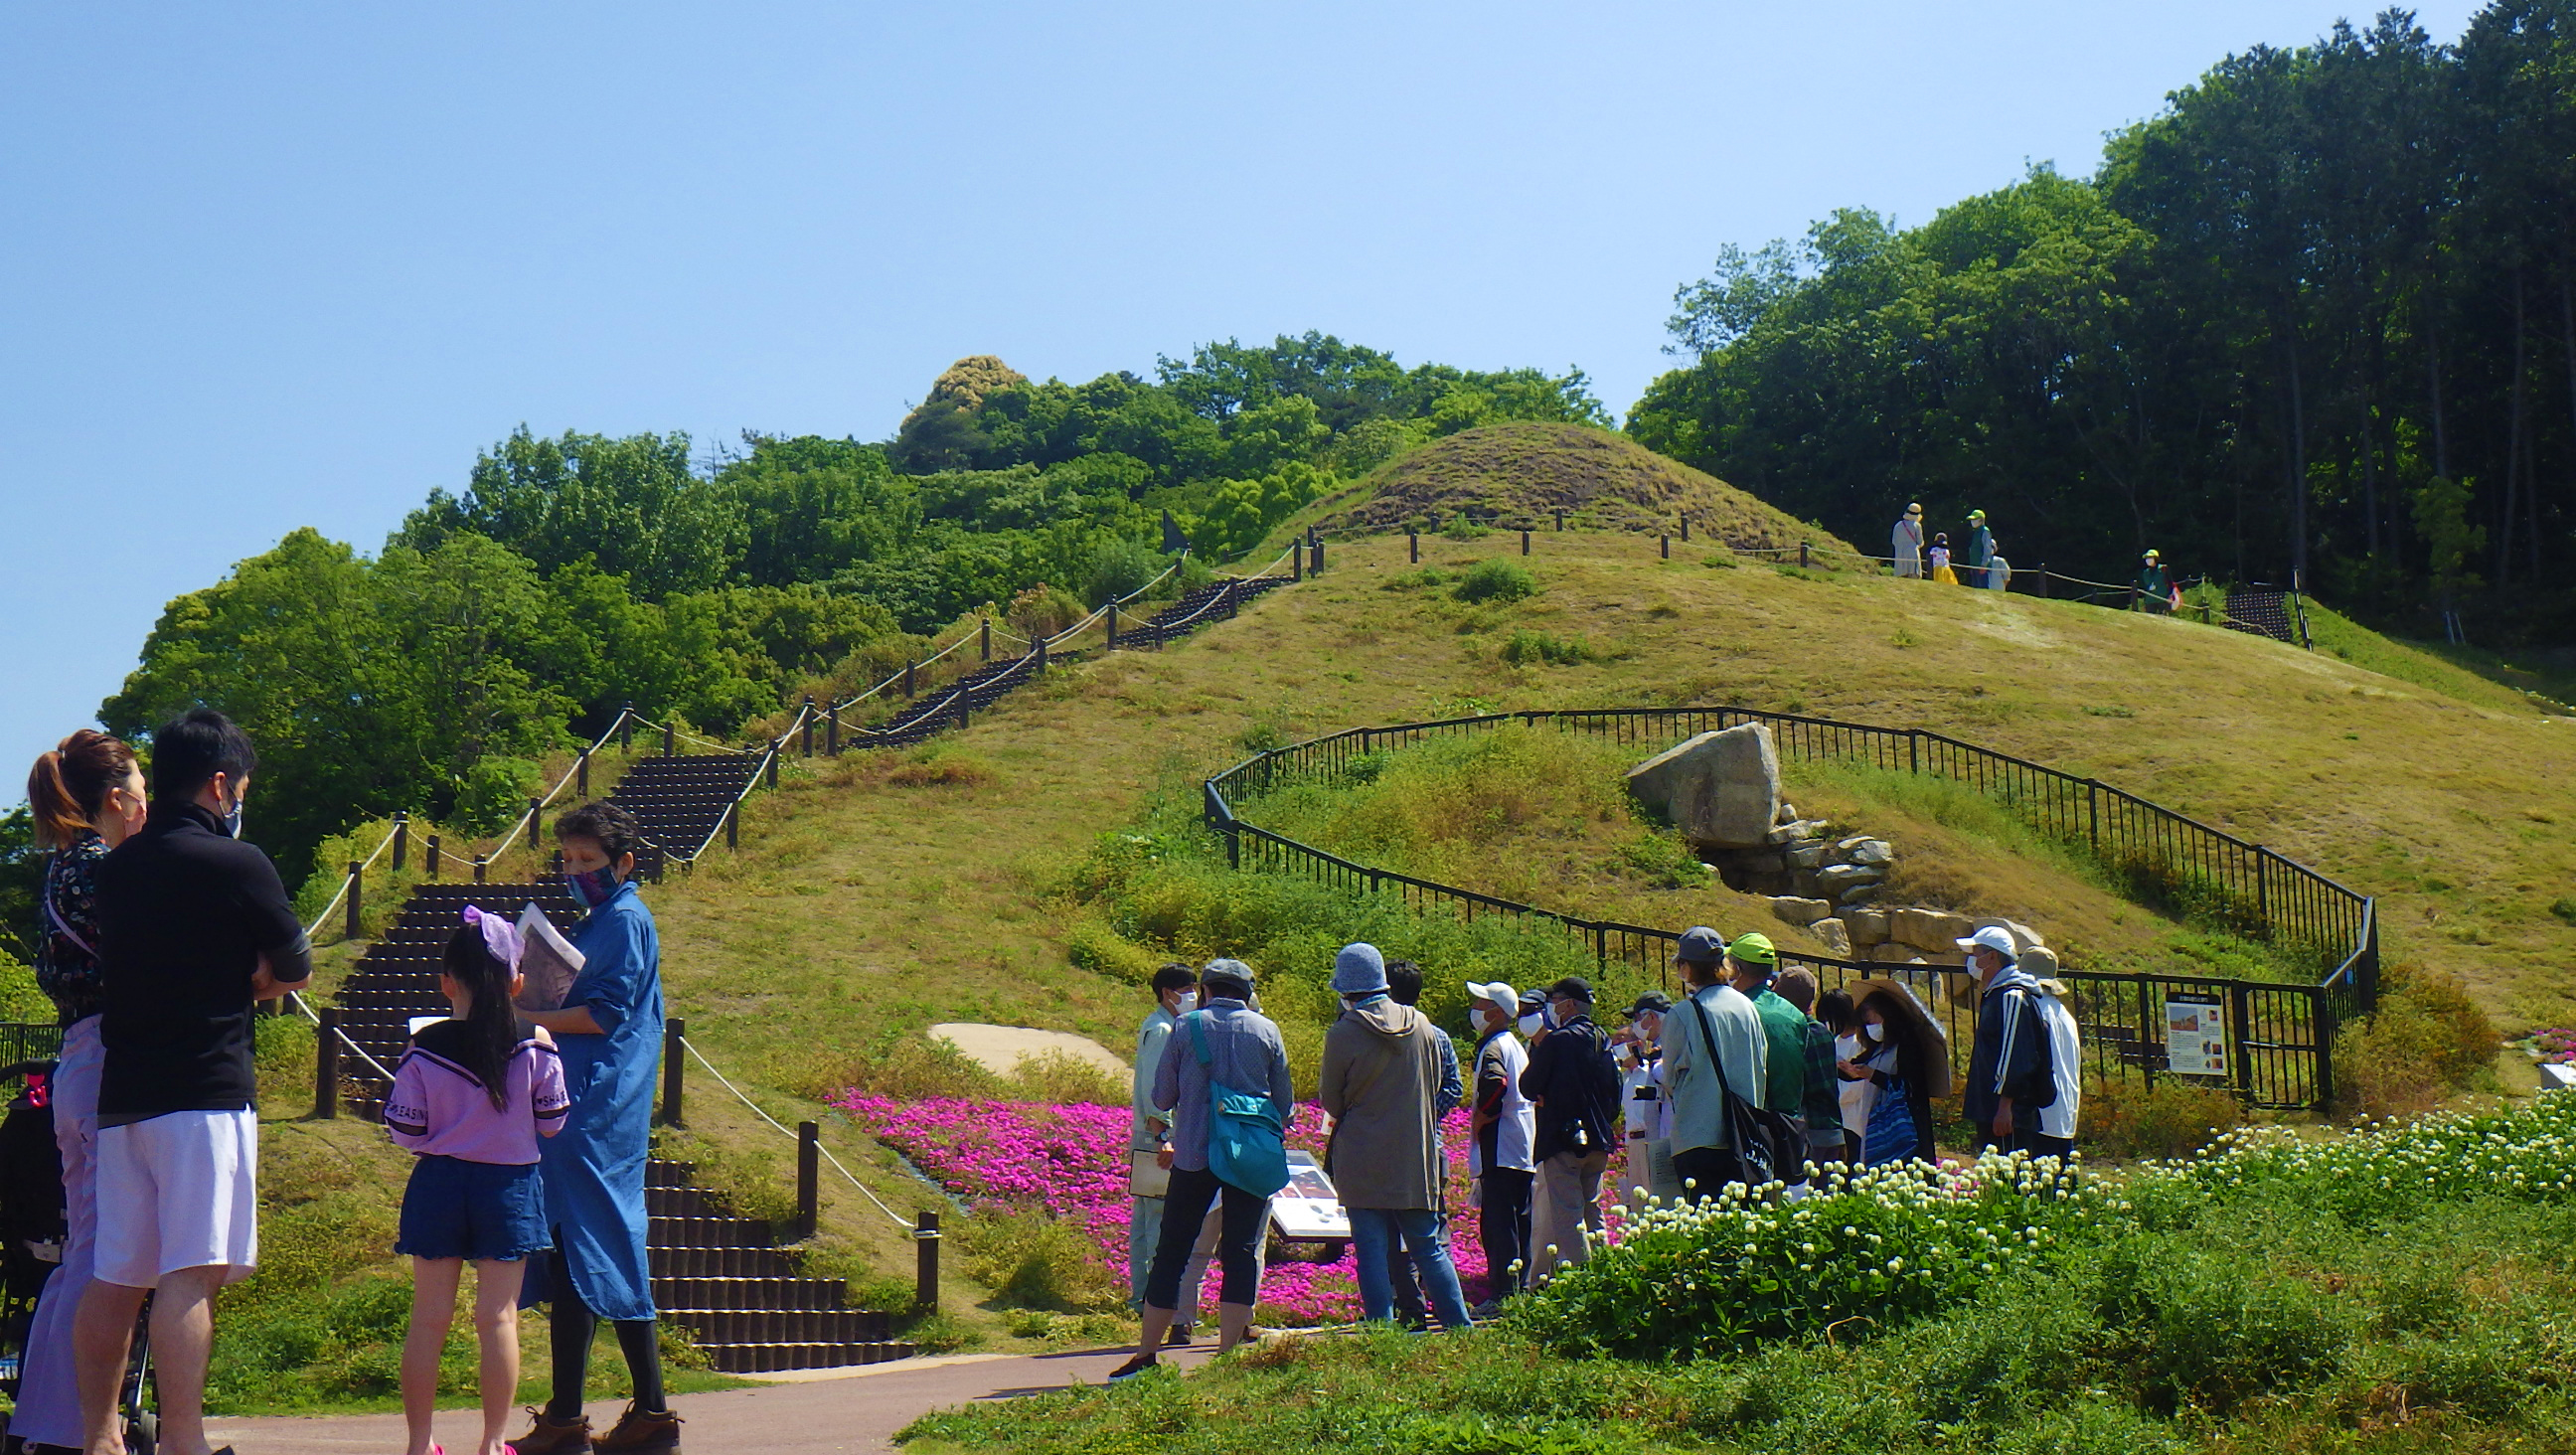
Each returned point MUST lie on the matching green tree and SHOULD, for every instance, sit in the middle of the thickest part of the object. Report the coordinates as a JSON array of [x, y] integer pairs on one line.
[[632, 505]]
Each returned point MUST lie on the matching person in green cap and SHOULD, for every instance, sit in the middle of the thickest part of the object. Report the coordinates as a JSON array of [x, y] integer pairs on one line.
[[1981, 548], [1751, 963], [2155, 586]]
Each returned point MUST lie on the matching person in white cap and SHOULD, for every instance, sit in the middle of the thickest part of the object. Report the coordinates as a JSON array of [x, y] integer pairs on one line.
[[1906, 543], [1502, 1128], [2027, 1057]]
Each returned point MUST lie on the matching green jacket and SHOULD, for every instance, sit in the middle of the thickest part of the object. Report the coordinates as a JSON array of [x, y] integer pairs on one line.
[[1784, 1067]]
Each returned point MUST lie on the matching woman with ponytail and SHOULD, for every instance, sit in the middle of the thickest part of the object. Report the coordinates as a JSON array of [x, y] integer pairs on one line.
[[471, 1097], [86, 795]]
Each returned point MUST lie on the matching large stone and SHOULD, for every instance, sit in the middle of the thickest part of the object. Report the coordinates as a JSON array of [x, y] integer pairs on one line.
[[1718, 788], [1865, 851], [1868, 926], [1793, 832], [1800, 912], [1838, 877], [1895, 954], [1929, 929], [1806, 856], [2024, 937], [1836, 939], [1860, 894]]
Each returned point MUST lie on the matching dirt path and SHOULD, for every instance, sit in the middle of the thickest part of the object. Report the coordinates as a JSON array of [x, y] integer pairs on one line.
[[849, 1414]]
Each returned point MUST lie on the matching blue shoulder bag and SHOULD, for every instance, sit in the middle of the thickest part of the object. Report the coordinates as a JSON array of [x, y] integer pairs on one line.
[[1247, 1147]]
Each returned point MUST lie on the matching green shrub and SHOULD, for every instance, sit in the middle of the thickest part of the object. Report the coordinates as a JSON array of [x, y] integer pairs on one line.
[[1527, 647], [1496, 580], [1460, 528], [1665, 860], [2010, 1353], [2427, 1040], [2213, 1329], [1037, 1263], [2173, 1119]]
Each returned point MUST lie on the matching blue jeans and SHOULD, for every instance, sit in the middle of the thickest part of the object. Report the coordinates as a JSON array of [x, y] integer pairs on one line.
[[1373, 1230]]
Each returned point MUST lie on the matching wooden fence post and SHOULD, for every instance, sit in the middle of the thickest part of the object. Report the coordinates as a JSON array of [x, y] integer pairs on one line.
[[777, 746], [626, 727], [925, 1278], [907, 678], [832, 733], [1802, 556], [675, 1035], [809, 1183], [733, 824], [1413, 546], [326, 1064], [357, 886], [402, 838], [1685, 528], [1668, 547], [479, 865], [1113, 626], [984, 633], [1297, 561], [1560, 522], [536, 820], [670, 741], [429, 861], [808, 715], [1524, 543]]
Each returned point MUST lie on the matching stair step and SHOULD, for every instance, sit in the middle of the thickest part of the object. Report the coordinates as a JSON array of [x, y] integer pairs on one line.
[[827, 1294], [778, 1358], [675, 1262], [711, 1232], [781, 1326]]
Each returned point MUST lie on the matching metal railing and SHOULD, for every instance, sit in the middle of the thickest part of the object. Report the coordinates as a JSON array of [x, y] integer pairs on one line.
[[2286, 1030]]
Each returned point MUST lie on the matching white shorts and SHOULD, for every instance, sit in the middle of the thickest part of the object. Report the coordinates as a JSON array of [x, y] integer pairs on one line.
[[178, 1191]]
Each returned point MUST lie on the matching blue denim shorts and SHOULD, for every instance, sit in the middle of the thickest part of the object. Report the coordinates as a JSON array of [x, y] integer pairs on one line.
[[473, 1210]]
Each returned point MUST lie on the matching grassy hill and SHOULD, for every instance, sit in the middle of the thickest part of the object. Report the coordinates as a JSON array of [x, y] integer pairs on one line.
[[877, 894], [1521, 473]]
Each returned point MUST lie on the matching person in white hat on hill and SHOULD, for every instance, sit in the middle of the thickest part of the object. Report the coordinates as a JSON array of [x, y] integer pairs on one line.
[[1906, 542], [1502, 1129]]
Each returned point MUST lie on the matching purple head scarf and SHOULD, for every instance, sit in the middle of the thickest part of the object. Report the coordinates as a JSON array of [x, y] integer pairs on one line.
[[500, 937]]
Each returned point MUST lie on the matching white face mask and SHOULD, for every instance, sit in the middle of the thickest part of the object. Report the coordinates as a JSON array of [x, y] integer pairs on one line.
[[1531, 1023]]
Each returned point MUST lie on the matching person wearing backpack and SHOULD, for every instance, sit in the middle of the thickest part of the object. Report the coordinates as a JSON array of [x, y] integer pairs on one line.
[[1575, 1086], [1714, 1049], [1385, 1067], [2016, 1073], [1225, 1077]]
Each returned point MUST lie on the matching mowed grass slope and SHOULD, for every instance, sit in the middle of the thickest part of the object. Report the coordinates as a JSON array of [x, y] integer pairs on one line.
[[876, 895]]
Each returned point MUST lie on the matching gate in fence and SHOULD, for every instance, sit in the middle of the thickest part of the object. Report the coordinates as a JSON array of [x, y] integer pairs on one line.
[[2281, 1034]]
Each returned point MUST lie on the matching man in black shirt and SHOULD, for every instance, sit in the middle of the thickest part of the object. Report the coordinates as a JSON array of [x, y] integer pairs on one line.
[[1576, 1087], [194, 929]]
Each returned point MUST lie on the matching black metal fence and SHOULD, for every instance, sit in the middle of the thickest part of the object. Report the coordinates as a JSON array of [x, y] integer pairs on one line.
[[2282, 1033]]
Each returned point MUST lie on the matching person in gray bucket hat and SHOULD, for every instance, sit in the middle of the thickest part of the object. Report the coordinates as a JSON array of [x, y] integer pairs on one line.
[[1382, 1066]]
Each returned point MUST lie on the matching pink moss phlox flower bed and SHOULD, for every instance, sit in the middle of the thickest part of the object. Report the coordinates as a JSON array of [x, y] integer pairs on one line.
[[1070, 1162]]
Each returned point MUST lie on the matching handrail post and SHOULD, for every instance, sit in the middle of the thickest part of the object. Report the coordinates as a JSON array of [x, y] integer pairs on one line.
[[1685, 527], [1041, 656], [965, 710], [536, 821], [808, 716], [1668, 546], [429, 860], [1297, 561], [1318, 569], [1524, 543], [326, 1064], [626, 727], [1560, 520], [984, 635], [1113, 626], [907, 677], [925, 1276], [809, 1182], [357, 884], [581, 775], [479, 865], [733, 824], [1413, 546], [832, 733], [670, 741], [1802, 554], [776, 746], [402, 838], [2043, 580], [675, 1049]]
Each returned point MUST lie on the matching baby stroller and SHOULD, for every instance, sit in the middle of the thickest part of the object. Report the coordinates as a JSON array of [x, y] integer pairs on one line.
[[32, 1229]]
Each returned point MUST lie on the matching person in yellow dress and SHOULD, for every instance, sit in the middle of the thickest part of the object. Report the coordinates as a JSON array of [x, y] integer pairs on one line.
[[1941, 572]]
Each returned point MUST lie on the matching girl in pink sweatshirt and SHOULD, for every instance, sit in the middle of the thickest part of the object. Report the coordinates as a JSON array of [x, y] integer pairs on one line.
[[471, 1097]]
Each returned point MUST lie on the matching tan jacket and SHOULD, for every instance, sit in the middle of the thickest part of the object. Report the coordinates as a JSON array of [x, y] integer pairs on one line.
[[1381, 1070]]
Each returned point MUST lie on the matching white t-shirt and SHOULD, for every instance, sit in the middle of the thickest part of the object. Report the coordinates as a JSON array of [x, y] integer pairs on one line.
[[1857, 1096], [1517, 1127]]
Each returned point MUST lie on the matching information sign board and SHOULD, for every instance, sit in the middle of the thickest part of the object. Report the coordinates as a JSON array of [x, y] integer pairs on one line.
[[2195, 1035]]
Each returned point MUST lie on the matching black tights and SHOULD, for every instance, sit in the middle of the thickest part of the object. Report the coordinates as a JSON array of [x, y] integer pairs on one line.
[[573, 1326]]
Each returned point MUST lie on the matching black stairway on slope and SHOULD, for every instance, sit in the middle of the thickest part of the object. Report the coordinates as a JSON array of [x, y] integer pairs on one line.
[[681, 802], [723, 1278]]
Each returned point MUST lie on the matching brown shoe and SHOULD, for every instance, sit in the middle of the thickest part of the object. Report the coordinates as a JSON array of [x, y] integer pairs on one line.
[[637, 1431], [546, 1437]]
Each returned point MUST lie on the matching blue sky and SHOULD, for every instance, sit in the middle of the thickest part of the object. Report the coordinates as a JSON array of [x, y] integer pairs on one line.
[[268, 265]]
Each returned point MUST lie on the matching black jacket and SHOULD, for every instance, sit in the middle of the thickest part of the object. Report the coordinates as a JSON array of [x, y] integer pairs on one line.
[[2011, 1061], [1576, 1086]]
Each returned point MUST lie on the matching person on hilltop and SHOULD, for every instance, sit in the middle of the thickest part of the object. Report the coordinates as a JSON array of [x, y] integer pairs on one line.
[[1906, 542], [1852, 1044], [1381, 1076], [1575, 1086], [1502, 1131], [2155, 585], [1404, 987], [609, 1033], [1942, 575], [86, 797], [1820, 1106], [2027, 1059], [1713, 1048], [1998, 572], [1981, 548], [194, 930], [1175, 988], [1222, 1048], [471, 1098]]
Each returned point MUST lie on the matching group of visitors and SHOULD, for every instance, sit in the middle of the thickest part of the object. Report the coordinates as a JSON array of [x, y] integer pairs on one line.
[[1751, 1079], [1981, 563], [161, 931]]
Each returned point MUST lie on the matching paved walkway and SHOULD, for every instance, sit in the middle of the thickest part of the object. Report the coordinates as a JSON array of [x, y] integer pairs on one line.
[[855, 1413]]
